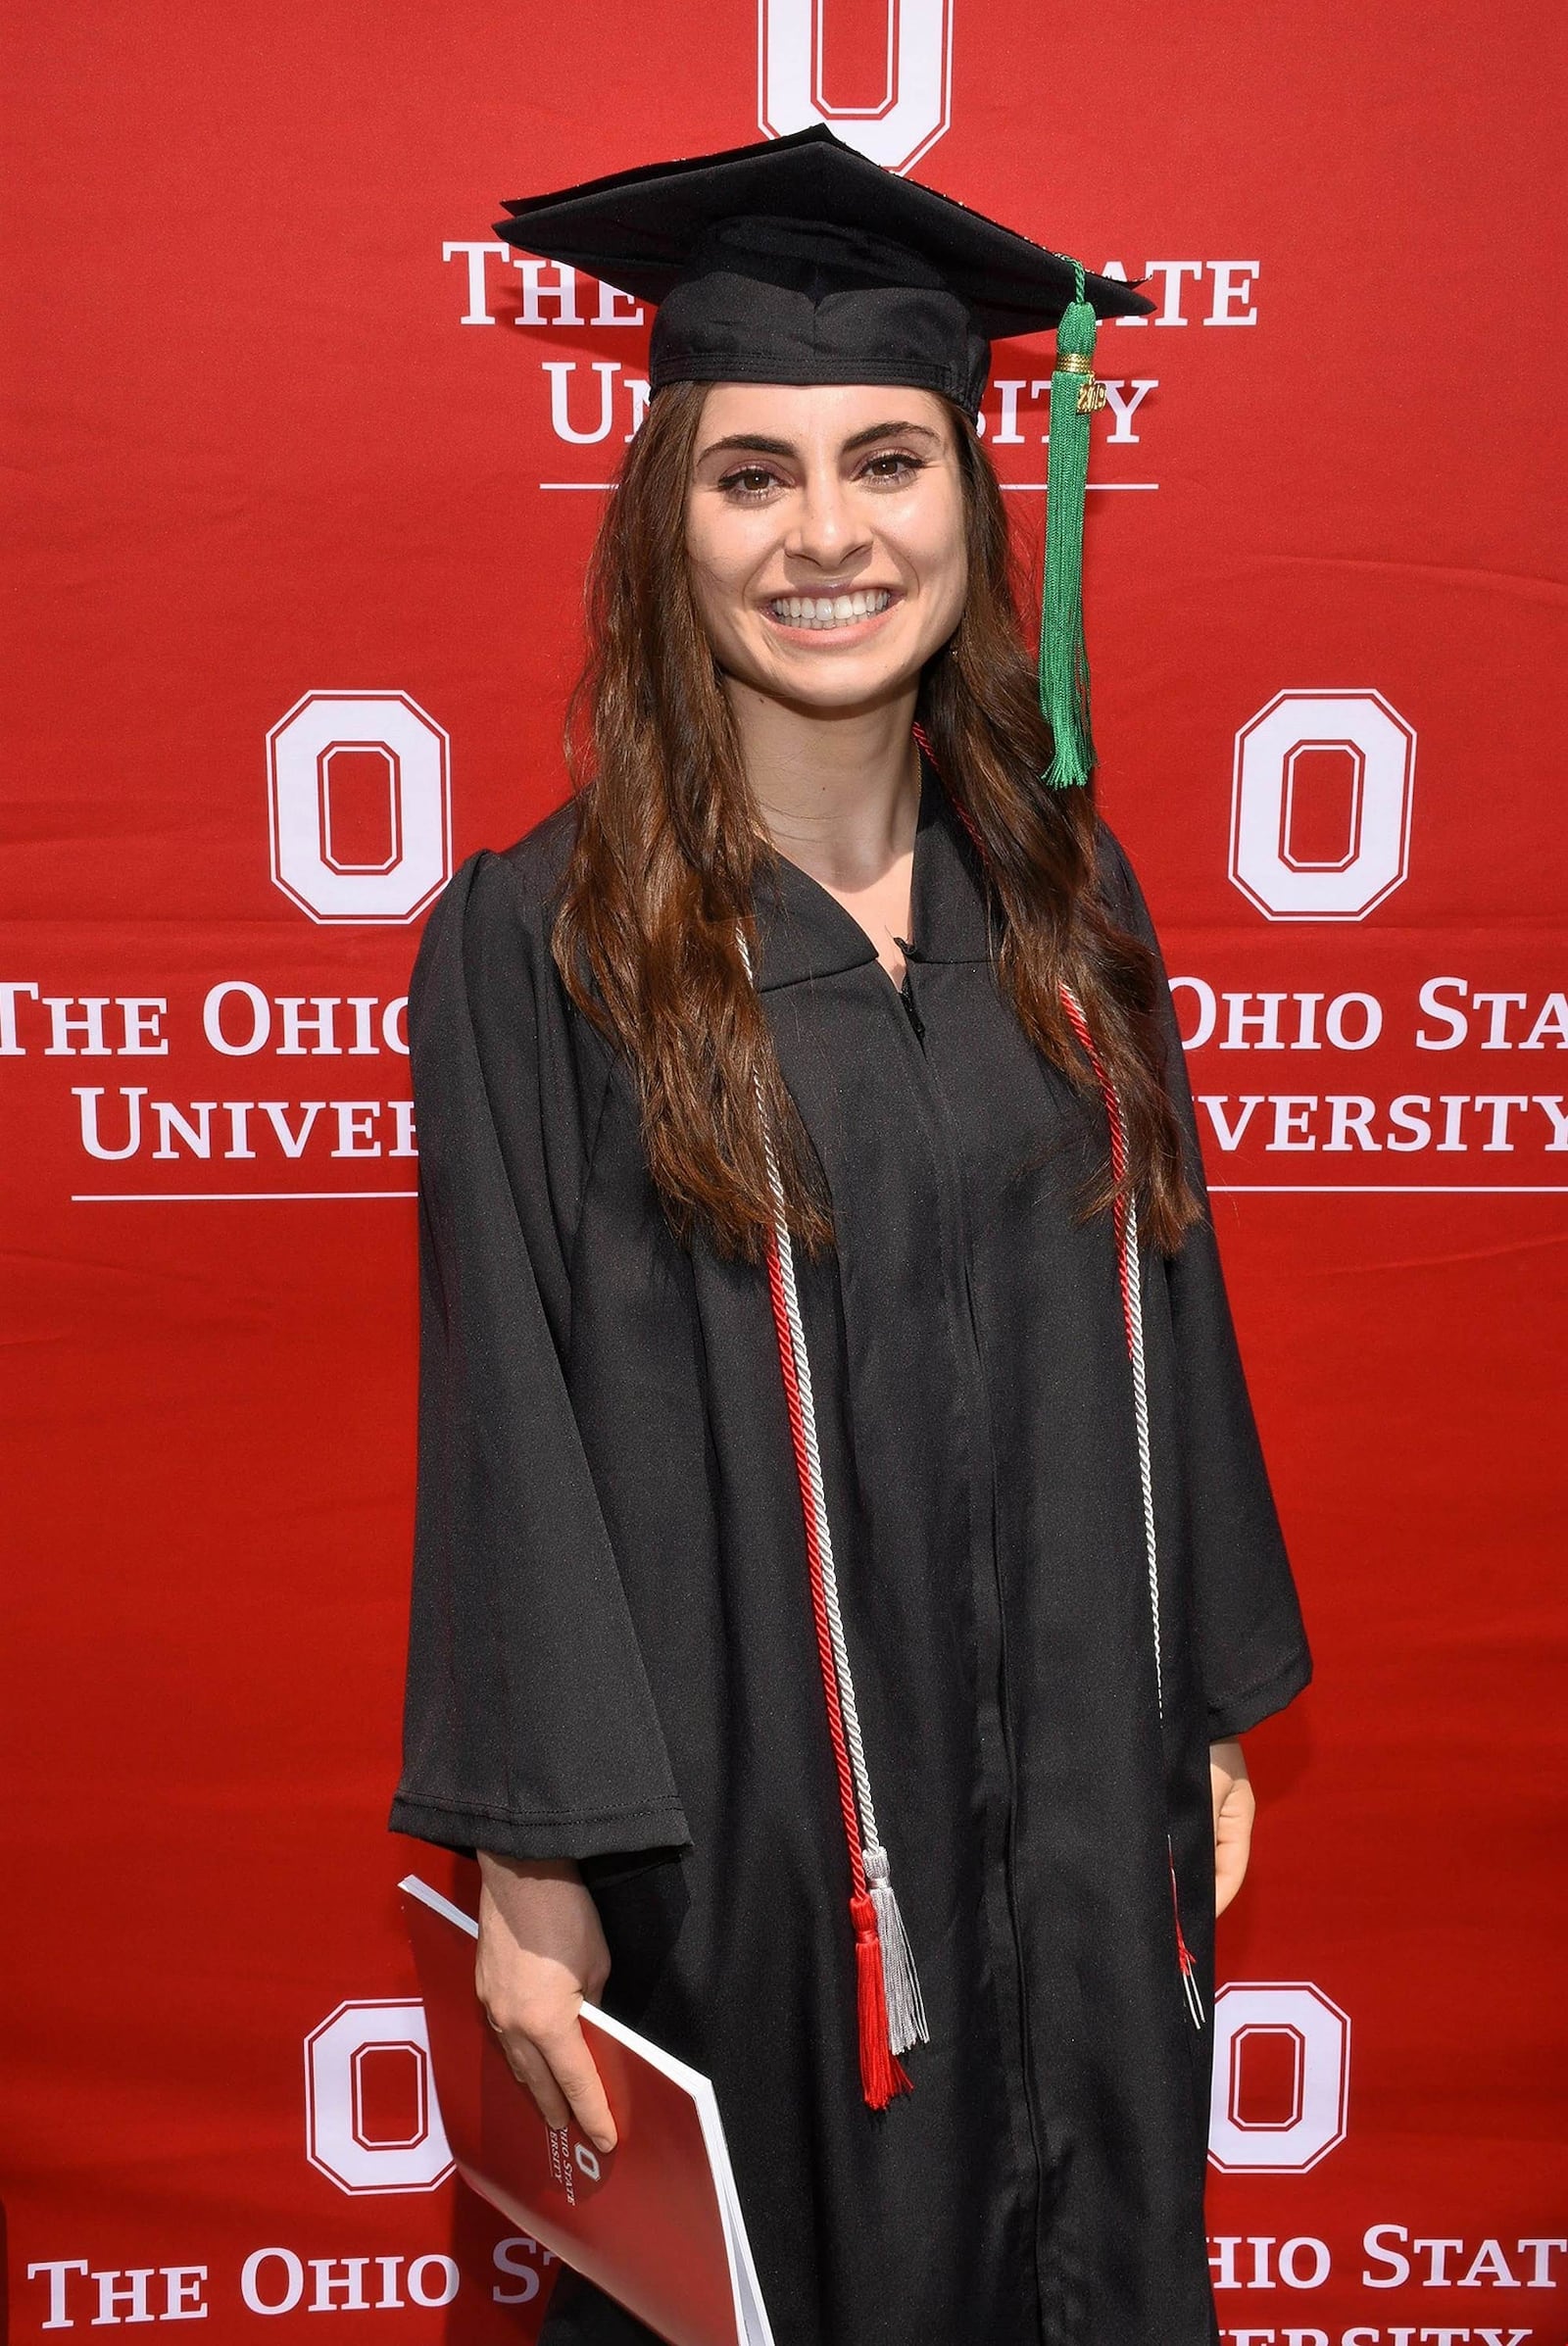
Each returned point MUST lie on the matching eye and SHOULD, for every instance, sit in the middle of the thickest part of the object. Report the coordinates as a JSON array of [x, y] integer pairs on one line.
[[892, 468], [748, 484]]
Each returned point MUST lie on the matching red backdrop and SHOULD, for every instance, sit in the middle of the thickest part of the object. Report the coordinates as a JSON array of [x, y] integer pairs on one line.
[[297, 613]]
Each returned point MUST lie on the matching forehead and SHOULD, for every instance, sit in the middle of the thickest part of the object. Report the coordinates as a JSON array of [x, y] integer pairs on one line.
[[814, 415]]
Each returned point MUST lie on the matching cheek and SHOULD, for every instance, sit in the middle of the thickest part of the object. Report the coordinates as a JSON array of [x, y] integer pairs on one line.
[[701, 570], [955, 574], [940, 556], [722, 552]]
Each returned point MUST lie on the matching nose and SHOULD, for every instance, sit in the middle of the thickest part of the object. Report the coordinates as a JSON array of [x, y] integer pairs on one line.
[[827, 529]]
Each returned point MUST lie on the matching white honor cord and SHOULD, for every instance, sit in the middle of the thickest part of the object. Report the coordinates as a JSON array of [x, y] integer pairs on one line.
[[1145, 1471], [906, 2020], [1146, 1475], [1130, 1259]]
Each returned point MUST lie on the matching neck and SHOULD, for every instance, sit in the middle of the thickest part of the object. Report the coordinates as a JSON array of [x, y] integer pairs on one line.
[[837, 794]]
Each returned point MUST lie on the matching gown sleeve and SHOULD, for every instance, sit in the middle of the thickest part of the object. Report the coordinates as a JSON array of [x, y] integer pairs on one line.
[[529, 1727], [1253, 1654]]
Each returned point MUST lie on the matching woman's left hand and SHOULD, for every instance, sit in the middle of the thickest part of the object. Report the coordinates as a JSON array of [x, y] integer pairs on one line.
[[1234, 1810]]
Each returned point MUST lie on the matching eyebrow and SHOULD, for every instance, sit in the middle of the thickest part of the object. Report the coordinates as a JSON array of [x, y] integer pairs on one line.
[[757, 444]]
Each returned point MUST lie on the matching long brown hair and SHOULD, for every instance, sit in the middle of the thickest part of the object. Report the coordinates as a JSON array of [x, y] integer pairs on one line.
[[667, 846]]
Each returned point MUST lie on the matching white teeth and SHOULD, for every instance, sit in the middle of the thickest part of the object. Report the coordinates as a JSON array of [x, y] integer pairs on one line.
[[828, 610]]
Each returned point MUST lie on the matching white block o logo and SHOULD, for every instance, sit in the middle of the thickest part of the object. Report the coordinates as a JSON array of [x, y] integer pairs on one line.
[[1300, 2019], [913, 111], [409, 859], [339, 2137], [1379, 749]]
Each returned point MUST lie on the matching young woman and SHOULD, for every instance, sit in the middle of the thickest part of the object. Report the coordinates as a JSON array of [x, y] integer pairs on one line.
[[845, 1558]]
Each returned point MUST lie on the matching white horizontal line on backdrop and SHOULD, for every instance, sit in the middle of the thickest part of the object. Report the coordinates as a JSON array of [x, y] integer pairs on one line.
[[1217, 1189], [223, 1196]]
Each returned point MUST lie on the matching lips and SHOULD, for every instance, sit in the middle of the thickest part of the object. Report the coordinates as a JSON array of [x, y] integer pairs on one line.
[[823, 612]]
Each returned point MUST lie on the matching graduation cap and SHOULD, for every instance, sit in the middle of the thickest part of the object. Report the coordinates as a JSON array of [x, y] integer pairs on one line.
[[798, 261]]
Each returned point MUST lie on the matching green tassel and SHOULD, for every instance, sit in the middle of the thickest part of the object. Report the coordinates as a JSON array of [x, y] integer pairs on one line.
[[1075, 396]]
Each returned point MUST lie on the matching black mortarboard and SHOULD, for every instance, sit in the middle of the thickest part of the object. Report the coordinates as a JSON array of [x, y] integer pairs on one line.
[[798, 261]]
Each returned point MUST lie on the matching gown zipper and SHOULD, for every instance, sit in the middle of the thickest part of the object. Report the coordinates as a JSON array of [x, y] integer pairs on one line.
[[1009, 1830], [906, 990]]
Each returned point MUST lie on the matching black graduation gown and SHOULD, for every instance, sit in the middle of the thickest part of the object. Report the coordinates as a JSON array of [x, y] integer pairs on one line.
[[612, 1654]]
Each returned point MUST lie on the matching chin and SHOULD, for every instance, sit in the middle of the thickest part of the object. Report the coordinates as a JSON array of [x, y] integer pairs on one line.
[[835, 696], [836, 681]]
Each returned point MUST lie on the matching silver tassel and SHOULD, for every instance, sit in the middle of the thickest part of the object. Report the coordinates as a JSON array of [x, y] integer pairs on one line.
[[900, 1979]]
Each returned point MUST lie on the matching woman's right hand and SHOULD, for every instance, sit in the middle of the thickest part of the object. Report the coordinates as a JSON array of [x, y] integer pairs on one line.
[[542, 1954]]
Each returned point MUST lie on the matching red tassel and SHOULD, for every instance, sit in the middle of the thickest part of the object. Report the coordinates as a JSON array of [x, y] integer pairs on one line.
[[1184, 1953], [882, 2074]]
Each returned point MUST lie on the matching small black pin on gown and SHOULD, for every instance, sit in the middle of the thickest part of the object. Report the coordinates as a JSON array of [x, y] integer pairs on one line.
[[612, 1654]]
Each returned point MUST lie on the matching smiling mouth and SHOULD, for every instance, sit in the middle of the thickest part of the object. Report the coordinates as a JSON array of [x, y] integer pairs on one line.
[[827, 612]]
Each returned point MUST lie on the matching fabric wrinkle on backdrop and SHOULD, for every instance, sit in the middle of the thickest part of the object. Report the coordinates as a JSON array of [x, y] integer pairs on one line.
[[306, 471]]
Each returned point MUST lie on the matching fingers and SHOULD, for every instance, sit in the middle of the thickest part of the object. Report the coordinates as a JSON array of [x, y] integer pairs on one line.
[[557, 2069], [1230, 1865], [578, 2079], [1233, 1841], [530, 2069]]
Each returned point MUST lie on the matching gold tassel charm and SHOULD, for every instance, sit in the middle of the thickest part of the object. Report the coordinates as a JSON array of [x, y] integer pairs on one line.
[[1091, 390]]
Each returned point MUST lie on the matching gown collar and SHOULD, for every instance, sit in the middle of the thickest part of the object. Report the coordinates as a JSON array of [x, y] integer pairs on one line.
[[805, 932]]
